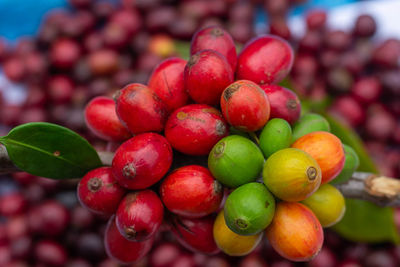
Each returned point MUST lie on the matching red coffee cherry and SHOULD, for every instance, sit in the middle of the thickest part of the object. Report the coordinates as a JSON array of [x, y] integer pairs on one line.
[[264, 60], [191, 191], [284, 103], [65, 53], [206, 75], [102, 120], [140, 109], [195, 234], [122, 250], [99, 192], [139, 215], [215, 38], [195, 129], [245, 106], [167, 82], [142, 161]]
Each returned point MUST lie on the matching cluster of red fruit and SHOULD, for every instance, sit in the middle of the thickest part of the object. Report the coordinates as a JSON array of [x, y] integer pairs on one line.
[[182, 99], [43, 224], [96, 47]]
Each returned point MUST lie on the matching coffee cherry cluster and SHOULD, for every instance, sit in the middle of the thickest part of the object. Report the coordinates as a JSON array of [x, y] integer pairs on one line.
[[231, 134]]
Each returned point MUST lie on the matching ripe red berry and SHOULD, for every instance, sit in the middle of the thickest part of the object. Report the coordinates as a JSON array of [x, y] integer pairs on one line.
[[139, 215], [164, 255], [102, 120], [65, 53], [50, 253], [316, 19], [245, 106], [103, 61], [140, 109], [365, 26], [167, 82], [191, 191], [206, 75], [129, 19], [195, 234], [49, 218], [14, 69], [60, 89], [142, 161], [12, 204], [367, 90], [284, 103], [122, 250], [348, 109], [99, 191], [264, 60], [195, 129], [215, 38]]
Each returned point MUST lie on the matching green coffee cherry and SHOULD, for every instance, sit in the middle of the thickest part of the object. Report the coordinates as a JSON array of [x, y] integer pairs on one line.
[[235, 160], [249, 209], [351, 164], [308, 123], [276, 135]]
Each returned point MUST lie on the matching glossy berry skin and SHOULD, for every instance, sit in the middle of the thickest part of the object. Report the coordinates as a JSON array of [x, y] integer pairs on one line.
[[326, 149], [140, 109], [265, 60], [102, 120], [142, 161], [295, 232], [139, 215], [167, 82], [122, 250], [195, 129], [284, 103], [191, 191], [215, 38], [99, 192], [195, 234], [245, 106], [206, 75]]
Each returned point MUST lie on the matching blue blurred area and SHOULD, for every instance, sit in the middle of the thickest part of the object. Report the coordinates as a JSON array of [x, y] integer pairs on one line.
[[23, 17], [324, 4]]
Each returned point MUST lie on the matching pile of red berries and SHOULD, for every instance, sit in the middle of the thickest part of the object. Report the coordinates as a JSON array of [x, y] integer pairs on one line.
[[361, 75], [197, 104], [93, 48], [43, 224]]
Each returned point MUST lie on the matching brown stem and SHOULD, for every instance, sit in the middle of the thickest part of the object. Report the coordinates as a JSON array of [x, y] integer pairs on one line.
[[381, 190]]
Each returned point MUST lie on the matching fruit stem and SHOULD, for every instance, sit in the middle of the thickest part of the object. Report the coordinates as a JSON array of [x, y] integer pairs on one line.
[[254, 137]]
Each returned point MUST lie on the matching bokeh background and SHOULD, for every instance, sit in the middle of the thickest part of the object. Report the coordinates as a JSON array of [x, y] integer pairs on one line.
[[56, 55]]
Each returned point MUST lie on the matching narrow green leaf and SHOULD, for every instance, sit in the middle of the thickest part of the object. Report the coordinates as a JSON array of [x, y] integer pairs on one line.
[[50, 150], [351, 138], [366, 222]]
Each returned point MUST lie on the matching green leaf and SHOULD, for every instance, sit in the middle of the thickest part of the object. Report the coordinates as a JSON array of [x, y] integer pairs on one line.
[[49, 150], [366, 222], [351, 138]]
